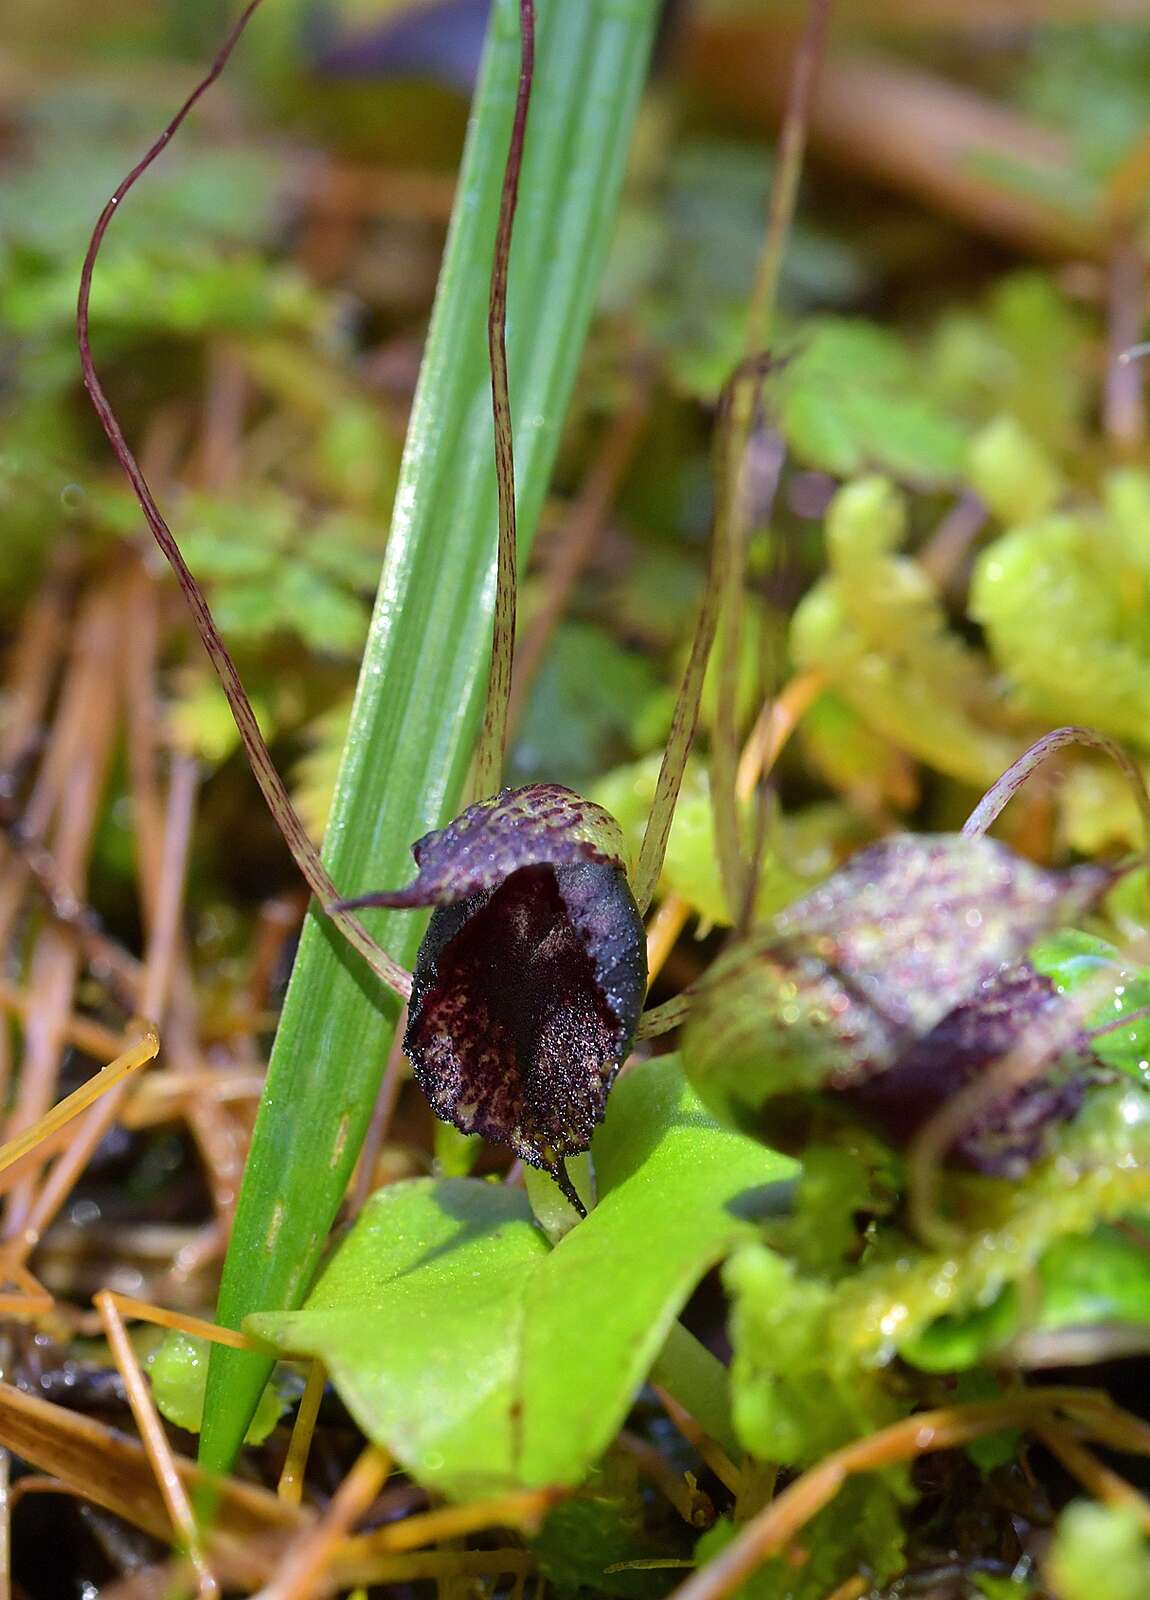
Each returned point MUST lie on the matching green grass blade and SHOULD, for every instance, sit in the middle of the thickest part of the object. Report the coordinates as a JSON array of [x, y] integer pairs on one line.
[[423, 677]]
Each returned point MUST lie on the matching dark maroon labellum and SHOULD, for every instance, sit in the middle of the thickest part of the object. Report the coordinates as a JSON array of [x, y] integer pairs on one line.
[[1008, 1134], [532, 974]]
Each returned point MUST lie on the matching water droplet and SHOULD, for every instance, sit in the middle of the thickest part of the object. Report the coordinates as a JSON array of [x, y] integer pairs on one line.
[[889, 1324]]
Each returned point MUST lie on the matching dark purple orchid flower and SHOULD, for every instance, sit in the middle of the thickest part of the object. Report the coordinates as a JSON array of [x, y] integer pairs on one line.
[[531, 976], [885, 992], [1008, 1134]]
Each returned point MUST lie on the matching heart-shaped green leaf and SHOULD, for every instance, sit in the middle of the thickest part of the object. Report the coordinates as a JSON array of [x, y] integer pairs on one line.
[[418, 1319], [676, 1192], [483, 1358]]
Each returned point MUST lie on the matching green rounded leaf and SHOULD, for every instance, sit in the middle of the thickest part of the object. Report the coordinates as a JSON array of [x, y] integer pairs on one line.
[[483, 1358]]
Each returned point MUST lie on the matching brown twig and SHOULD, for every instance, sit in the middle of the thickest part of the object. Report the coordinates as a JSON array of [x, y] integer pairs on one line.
[[139, 669], [92, 1037], [851, 1589], [943, 554], [31, 1298], [305, 1561], [290, 1487], [1123, 403], [106, 957], [685, 718], [224, 408], [663, 932], [776, 723], [709, 1449], [40, 1140], [33, 664], [166, 1096], [68, 787], [680, 1490], [736, 872], [774, 727], [5, 1526], [805, 67], [157, 977], [155, 1442], [769, 1533], [907, 129], [221, 1144], [278, 920], [102, 1465], [523, 1509], [1102, 1482], [206, 1245], [32, 669], [221, 1131], [244, 1567]]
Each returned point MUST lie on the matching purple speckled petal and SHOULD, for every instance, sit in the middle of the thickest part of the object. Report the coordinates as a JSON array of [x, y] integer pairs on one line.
[[1008, 1135], [542, 824], [840, 986], [915, 922]]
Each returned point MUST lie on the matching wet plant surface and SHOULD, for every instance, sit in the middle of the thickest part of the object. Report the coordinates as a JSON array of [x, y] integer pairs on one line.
[[719, 1164]]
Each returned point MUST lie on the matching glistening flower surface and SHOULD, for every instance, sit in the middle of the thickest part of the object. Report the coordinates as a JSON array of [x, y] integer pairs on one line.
[[531, 976], [884, 968], [1009, 1133]]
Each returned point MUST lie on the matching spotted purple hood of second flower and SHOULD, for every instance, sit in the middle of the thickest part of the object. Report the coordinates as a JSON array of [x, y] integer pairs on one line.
[[887, 990]]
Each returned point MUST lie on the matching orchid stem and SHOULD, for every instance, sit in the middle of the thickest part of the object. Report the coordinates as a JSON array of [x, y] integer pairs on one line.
[[493, 735], [1000, 793], [286, 818], [739, 871], [686, 715]]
